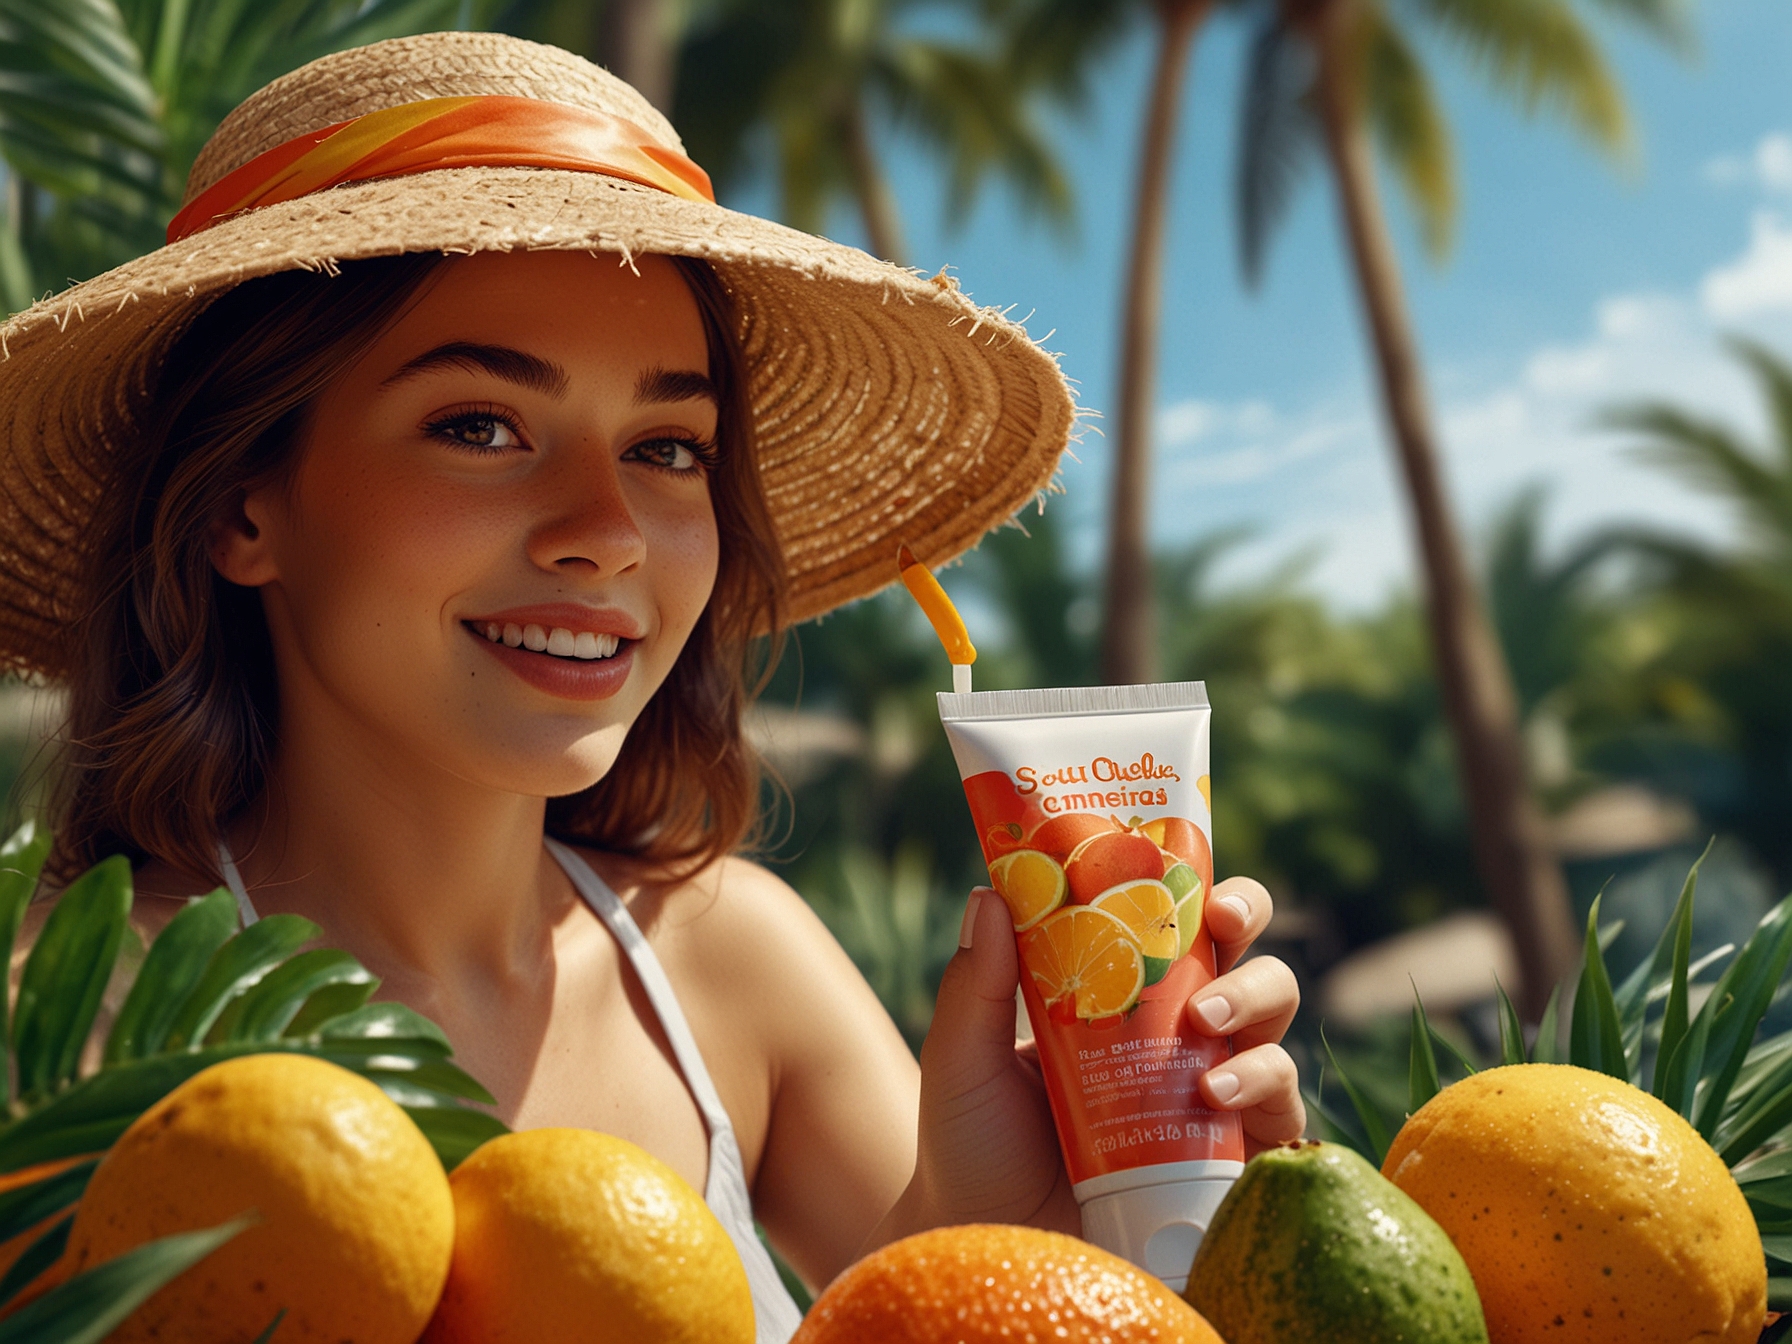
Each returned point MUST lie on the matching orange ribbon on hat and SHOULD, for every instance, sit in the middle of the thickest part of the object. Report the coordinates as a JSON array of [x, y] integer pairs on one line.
[[481, 132]]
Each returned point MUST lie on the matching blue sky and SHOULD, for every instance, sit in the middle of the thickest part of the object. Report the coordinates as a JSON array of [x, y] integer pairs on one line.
[[1573, 284]]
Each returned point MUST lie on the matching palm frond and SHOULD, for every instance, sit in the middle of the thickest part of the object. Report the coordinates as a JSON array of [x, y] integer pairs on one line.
[[1277, 130], [1409, 125], [957, 98], [1539, 53], [204, 993]]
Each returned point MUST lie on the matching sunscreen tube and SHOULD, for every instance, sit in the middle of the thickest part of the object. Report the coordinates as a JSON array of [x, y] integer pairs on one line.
[[1093, 809]]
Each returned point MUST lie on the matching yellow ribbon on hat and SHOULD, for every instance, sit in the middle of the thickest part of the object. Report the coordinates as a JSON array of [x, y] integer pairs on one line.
[[489, 131]]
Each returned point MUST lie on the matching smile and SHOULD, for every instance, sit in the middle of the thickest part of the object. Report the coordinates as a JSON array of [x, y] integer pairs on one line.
[[557, 642]]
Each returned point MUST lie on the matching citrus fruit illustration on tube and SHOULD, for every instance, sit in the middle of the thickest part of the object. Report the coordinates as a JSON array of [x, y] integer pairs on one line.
[[1031, 883], [1149, 912], [1060, 835], [1106, 861], [1087, 958], [1190, 894], [1181, 838]]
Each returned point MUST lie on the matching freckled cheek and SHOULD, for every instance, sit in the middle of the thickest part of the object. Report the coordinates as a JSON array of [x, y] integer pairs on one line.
[[391, 554], [684, 551]]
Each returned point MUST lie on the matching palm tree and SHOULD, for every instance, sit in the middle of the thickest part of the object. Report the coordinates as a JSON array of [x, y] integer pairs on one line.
[[817, 73], [1344, 74], [1731, 609], [104, 104], [1055, 42]]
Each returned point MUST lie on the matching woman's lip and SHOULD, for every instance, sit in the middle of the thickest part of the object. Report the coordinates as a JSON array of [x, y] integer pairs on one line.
[[566, 678], [565, 615]]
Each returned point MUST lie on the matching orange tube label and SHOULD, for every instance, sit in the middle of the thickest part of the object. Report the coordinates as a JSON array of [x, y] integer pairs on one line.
[[1095, 824]]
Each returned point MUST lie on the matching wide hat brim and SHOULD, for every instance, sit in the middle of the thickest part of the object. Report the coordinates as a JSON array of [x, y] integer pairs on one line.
[[888, 406]]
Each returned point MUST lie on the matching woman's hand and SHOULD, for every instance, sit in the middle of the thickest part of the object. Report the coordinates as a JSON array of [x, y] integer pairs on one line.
[[988, 1152], [1253, 1004]]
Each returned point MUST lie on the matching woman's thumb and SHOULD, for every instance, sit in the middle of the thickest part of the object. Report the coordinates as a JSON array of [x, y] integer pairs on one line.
[[972, 1036]]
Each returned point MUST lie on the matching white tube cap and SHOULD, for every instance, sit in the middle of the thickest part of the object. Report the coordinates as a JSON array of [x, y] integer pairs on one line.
[[1157, 1218]]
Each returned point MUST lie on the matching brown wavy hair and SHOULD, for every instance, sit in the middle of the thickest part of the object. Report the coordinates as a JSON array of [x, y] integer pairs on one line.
[[174, 708]]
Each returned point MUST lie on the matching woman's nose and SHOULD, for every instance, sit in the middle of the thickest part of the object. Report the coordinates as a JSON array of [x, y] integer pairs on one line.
[[587, 524]]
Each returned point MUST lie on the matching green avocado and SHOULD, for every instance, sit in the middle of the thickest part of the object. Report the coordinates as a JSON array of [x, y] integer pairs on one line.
[[1314, 1243]]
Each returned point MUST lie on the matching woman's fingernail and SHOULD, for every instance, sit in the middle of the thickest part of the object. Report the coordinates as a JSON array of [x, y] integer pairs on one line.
[[969, 926], [1222, 1087], [1237, 905], [1215, 1012]]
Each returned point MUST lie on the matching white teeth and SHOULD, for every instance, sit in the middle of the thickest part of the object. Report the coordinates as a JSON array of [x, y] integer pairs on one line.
[[560, 642]]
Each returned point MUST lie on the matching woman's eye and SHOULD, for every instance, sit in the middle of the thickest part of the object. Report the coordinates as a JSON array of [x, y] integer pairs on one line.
[[677, 455], [481, 431]]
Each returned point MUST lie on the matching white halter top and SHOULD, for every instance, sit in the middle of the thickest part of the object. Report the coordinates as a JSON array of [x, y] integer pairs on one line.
[[775, 1314]]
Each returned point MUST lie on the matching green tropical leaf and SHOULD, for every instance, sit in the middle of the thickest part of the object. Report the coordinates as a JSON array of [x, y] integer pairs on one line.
[[264, 1012], [1511, 1029], [173, 967], [1409, 124], [1595, 1036], [1375, 1126], [1547, 1048], [1678, 937], [92, 1304], [65, 976], [1735, 1009], [233, 968], [1277, 134], [1422, 1080], [24, 1208], [1541, 54], [383, 1021], [21, 861], [43, 1252], [455, 1132], [1765, 1113]]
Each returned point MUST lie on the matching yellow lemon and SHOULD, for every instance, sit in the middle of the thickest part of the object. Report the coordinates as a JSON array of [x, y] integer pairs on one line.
[[565, 1235], [355, 1223], [1031, 883], [1087, 958], [1586, 1210], [1149, 911]]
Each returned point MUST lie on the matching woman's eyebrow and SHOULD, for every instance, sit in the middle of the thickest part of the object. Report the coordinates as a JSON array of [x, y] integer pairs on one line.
[[658, 384], [501, 361]]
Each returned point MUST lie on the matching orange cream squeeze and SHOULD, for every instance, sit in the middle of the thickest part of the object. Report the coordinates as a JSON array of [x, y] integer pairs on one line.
[[1091, 807]]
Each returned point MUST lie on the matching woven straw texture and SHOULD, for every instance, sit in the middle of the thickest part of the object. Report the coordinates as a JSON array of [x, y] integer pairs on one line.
[[888, 406]]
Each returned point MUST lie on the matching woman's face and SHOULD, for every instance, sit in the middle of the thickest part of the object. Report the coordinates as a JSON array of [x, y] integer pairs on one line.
[[499, 533]]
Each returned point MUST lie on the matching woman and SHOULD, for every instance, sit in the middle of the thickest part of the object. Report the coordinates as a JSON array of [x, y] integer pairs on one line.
[[403, 529]]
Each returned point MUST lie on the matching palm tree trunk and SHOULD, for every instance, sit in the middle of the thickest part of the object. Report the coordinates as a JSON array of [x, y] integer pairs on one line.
[[1521, 874], [1129, 636], [635, 39], [877, 203]]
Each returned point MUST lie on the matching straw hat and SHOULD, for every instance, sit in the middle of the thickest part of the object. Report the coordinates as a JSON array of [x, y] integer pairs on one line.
[[888, 405]]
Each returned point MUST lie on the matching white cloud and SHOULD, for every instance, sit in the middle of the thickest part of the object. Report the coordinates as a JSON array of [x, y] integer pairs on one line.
[[1760, 280], [1768, 166], [1322, 476]]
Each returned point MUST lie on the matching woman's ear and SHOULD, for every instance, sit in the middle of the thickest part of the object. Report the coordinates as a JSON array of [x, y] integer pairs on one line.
[[241, 547]]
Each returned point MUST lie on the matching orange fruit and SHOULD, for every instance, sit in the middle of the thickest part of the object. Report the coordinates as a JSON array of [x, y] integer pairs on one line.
[[1087, 957], [1031, 883], [566, 1235], [1149, 912], [1059, 835], [985, 1283], [1105, 861], [355, 1221], [1585, 1209]]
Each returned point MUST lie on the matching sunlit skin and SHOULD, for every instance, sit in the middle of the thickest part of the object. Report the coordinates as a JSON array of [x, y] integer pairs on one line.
[[441, 488]]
